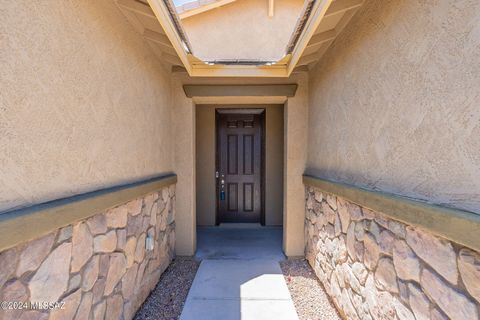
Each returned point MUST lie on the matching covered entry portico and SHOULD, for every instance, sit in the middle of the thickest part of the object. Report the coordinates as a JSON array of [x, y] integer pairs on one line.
[[284, 208]]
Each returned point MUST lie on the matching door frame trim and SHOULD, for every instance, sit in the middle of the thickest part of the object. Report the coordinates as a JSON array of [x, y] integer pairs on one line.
[[233, 110], [240, 111]]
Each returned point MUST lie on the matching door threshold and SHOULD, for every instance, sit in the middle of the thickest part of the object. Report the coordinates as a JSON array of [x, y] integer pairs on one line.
[[237, 225]]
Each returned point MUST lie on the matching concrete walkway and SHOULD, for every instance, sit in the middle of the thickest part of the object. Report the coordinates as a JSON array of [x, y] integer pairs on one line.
[[239, 276]]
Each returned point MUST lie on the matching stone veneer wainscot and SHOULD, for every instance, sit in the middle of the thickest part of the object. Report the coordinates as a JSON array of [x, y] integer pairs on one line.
[[375, 267], [99, 267]]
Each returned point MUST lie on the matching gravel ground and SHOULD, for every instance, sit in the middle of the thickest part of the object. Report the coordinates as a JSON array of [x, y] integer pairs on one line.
[[308, 295], [166, 300]]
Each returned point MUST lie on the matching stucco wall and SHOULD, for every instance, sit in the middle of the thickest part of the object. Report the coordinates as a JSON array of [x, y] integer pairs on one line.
[[205, 162], [243, 30], [394, 104], [84, 103]]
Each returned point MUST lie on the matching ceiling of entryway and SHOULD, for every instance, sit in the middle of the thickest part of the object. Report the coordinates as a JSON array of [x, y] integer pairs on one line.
[[177, 42]]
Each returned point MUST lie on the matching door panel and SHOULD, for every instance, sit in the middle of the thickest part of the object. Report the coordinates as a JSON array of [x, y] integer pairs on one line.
[[248, 194], [248, 155], [240, 166], [232, 195], [232, 155]]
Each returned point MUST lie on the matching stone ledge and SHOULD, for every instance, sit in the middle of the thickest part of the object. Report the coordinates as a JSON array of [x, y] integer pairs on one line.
[[23, 225], [456, 225]]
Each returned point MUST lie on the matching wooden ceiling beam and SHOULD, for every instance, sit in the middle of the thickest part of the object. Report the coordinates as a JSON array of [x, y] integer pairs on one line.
[[163, 16], [133, 19], [305, 60], [325, 39], [345, 20], [318, 12], [136, 7], [322, 37], [157, 37], [342, 5], [271, 8], [314, 57], [339, 27], [157, 47]]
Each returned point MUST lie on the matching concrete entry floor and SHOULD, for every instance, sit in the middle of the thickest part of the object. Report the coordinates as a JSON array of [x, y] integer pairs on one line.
[[239, 276], [239, 241]]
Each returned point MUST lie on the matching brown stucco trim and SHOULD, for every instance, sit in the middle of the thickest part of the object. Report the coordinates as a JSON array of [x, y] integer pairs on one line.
[[274, 90], [456, 225], [22, 225]]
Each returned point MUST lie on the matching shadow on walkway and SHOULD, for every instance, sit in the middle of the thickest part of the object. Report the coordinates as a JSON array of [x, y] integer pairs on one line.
[[239, 277]]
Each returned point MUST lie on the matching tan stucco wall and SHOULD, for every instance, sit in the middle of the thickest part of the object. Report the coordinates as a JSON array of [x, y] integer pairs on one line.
[[295, 157], [84, 103], [394, 104], [205, 163], [184, 144], [243, 30], [295, 129], [274, 165]]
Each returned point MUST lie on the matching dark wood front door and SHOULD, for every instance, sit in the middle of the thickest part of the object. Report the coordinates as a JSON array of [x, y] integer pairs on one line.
[[240, 150]]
